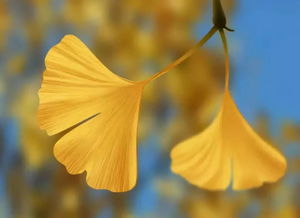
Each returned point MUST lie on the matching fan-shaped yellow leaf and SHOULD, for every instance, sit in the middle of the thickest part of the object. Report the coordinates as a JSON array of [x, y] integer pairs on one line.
[[79, 91], [227, 148]]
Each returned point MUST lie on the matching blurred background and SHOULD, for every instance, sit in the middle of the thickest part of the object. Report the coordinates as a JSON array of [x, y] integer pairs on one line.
[[135, 39]]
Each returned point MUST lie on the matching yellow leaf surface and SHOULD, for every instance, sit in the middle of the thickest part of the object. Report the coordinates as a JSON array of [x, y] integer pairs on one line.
[[228, 149], [79, 91]]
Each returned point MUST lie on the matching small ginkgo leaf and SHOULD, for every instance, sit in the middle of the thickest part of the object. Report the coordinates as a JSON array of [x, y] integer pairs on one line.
[[79, 91], [228, 148]]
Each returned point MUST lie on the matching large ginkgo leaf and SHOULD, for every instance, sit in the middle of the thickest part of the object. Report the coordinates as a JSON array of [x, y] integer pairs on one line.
[[228, 148], [79, 91]]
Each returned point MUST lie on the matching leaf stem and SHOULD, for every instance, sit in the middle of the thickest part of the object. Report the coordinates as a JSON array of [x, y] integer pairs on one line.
[[227, 59], [184, 56]]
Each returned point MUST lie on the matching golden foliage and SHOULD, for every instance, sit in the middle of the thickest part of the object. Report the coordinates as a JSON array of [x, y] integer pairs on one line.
[[79, 91], [228, 147]]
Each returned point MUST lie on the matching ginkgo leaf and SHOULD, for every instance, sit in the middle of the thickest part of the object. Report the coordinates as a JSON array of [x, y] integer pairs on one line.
[[228, 149], [79, 91]]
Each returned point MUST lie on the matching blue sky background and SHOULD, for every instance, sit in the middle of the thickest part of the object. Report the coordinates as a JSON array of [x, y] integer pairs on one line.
[[266, 58]]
